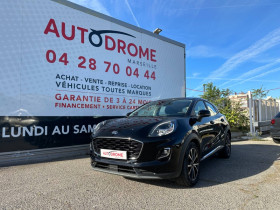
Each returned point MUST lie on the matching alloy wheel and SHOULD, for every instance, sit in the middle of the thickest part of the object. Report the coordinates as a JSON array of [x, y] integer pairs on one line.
[[193, 164], [228, 144]]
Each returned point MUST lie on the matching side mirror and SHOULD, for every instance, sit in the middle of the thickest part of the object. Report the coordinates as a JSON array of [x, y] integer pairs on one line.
[[128, 114], [203, 113]]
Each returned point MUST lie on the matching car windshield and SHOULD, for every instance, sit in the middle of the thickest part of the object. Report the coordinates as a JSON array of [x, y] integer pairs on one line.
[[163, 108]]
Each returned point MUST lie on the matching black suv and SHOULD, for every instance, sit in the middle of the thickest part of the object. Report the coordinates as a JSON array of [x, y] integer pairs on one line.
[[161, 140]]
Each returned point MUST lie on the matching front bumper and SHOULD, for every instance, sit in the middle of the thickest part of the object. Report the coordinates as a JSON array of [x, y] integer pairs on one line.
[[143, 172], [147, 165]]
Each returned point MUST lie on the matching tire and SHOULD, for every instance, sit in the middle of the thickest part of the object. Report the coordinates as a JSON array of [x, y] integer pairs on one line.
[[190, 168], [226, 151], [277, 141]]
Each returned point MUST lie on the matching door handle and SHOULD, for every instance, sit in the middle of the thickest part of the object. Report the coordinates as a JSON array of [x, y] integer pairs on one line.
[[212, 122]]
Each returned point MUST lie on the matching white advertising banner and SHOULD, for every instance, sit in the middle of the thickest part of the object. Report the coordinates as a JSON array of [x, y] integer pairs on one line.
[[61, 61]]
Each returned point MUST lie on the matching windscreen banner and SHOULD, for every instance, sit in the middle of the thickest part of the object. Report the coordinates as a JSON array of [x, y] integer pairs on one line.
[[65, 68]]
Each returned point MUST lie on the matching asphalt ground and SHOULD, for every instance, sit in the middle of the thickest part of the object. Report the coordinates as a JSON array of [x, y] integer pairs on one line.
[[250, 179]]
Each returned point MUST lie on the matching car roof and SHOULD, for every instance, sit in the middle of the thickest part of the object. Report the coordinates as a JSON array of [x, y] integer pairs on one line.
[[182, 98], [187, 98]]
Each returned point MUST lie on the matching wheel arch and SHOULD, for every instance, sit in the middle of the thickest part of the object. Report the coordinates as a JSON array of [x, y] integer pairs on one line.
[[192, 137], [227, 131]]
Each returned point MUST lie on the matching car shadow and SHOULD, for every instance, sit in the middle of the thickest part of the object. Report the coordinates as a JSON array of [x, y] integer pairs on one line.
[[245, 161]]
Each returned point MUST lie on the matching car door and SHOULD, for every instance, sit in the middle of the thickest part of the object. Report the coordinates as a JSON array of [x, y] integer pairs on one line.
[[216, 119], [205, 128]]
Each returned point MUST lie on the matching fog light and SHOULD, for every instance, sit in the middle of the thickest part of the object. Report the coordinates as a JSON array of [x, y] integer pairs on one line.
[[165, 152]]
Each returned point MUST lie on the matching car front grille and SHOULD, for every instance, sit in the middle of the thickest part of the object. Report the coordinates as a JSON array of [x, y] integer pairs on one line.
[[132, 147]]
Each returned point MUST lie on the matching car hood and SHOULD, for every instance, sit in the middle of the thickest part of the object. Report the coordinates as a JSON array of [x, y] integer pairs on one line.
[[131, 126]]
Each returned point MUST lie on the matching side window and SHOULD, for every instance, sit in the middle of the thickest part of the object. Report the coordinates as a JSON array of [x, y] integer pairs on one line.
[[211, 108], [199, 106]]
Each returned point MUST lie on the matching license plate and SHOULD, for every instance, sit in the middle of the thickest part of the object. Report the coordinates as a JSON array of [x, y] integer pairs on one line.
[[114, 154]]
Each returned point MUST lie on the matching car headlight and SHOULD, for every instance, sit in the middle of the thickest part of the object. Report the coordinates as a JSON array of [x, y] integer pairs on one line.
[[163, 129], [97, 127]]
